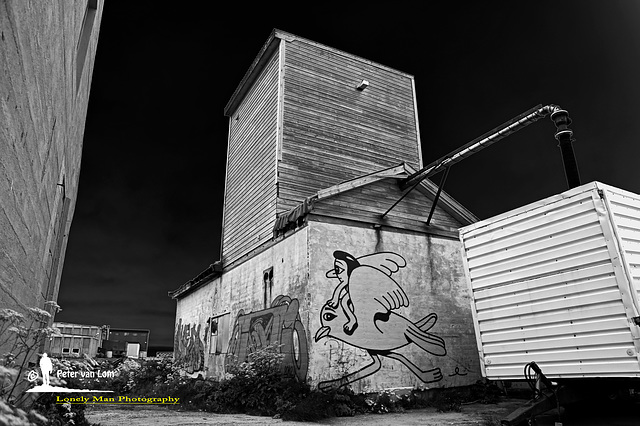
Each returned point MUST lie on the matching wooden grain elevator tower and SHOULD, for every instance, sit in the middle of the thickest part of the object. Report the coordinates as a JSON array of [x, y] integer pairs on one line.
[[319, 140], [306, 117]]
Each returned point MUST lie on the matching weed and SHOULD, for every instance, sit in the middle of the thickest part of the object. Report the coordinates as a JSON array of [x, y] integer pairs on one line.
[[22, 336]]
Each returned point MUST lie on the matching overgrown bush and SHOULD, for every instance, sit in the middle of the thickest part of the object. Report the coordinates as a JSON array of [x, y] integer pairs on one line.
[[61, 414], [21, 337], [257, 386], [319, 405], [254, 387]]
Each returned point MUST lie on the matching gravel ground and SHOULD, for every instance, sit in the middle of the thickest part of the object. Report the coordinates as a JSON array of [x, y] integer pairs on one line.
[[472, 414]]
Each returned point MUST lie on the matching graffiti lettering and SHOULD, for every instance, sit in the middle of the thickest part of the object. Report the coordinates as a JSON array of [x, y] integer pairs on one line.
[[280, 324], [188, 347]]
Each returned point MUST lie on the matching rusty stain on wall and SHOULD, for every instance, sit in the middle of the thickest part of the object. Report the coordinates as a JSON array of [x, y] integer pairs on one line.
[[188, 347], [278, 325], [362, 313]]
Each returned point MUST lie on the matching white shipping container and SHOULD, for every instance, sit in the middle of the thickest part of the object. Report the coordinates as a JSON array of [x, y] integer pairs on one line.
[[557, 282]]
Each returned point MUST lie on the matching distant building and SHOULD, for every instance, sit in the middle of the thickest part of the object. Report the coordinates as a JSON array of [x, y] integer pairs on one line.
[[47, 53], [76, 340], [130, 342], [324, 255]]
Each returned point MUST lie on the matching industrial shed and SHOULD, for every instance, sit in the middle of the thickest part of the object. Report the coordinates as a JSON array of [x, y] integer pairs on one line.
[[75, 340], [361, 282], [557, 282]]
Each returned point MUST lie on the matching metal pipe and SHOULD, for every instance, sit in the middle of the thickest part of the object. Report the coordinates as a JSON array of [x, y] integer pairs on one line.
[[563, 135]]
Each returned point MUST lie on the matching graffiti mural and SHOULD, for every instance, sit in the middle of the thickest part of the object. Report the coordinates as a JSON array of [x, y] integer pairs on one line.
[[188, 348], [362, 313], [280, 325]]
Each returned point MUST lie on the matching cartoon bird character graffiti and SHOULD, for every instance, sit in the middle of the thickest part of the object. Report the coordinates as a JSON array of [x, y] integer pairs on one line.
[[361, 313]]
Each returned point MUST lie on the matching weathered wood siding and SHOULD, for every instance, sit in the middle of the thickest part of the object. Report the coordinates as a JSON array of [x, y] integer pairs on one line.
[[250, 193], [368, 203], [333, 132]]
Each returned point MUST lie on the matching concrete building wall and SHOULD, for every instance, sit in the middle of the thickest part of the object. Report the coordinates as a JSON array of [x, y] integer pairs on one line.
[[236, 301], [47, 51], [434, 283], [432, 279]]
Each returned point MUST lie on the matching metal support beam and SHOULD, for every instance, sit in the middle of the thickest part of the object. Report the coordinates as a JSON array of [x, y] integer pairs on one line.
[[400, 199], [443, 179]]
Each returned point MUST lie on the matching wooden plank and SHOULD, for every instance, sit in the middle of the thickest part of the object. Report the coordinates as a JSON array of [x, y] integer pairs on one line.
[[356, 183], [379, 148], [319, 116], [340, 68], [257, 235], [320, 94], [241, 216], [250, 197], [336, 153], [375, 210]]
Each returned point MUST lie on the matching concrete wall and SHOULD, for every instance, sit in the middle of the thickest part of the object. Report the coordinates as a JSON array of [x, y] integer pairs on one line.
[[44, 92], [237, 299], [434, 283], [441, 350]]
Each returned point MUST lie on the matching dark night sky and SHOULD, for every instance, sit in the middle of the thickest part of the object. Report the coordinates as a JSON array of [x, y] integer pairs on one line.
[[148, 215]]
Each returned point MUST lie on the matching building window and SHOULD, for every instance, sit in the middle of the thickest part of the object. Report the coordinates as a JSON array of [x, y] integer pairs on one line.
[[267, 286], [219, 330], [65, 350]]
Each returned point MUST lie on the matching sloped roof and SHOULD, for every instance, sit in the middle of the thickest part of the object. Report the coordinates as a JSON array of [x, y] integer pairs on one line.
[[211, 272], [401, 171]]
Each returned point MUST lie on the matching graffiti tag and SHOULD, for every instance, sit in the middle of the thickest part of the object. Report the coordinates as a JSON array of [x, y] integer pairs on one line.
[[278, 325]]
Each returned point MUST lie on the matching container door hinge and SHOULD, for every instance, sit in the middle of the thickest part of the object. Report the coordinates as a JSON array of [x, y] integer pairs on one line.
[[636, 320]]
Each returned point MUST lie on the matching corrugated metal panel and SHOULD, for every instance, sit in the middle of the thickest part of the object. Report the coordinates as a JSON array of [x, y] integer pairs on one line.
[[250, 193], [625, 207], [548, 285]]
